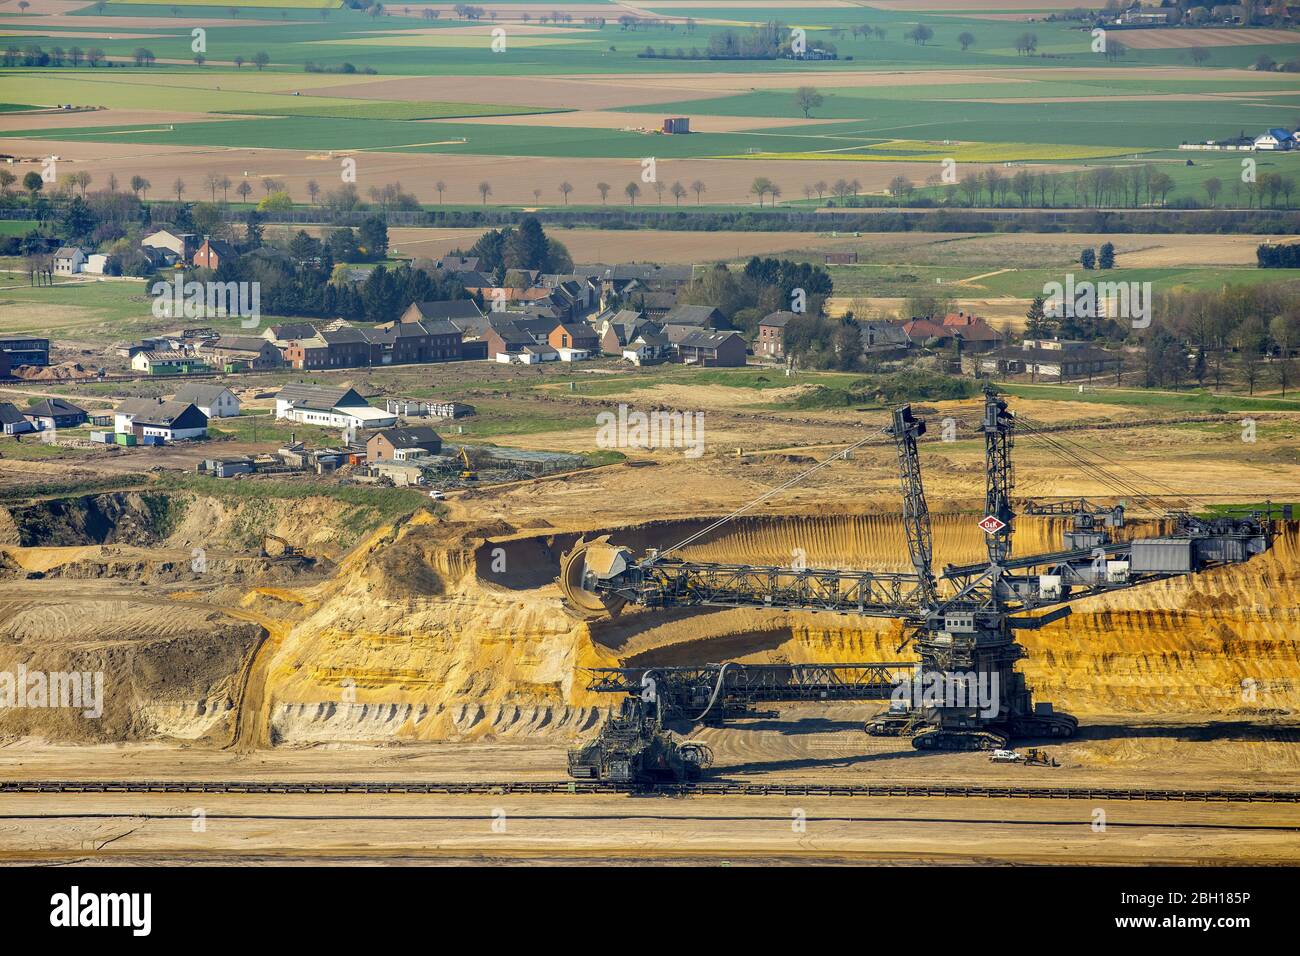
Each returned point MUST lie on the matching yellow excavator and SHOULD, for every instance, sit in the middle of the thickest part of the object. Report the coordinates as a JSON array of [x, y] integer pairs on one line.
[[467, 473]]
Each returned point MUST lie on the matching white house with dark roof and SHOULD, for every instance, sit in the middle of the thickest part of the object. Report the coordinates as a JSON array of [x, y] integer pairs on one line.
[[150, 417], [330, 407], [215, 401], [12, 421]]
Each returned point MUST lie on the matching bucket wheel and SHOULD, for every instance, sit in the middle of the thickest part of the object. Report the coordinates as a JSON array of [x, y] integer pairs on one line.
[[573, 573]]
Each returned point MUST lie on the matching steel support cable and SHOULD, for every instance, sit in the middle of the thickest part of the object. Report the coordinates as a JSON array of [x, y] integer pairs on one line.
[[1119, 465], [1098, 472], [1111, 482], [1120, 483], [759, 500]]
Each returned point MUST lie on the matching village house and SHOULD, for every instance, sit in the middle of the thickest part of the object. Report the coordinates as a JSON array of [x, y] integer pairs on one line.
[[712, 349], [155, 418], [173, 247], [882, 336], [167, 362], [1047, 360], [444, 309], [400, 444], [505, 341], [212, 253], [700, 316], [234, 353], [288, 332], [330, 407], [69, 260], [571, 338], [617, 330], [214, 401], [55, 413], [12, 421], [771, 335], [648, 347], [428, 340], [975, 334], [457, 264]]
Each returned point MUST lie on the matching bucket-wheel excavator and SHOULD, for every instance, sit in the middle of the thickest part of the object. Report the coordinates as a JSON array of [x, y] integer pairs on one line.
[[962, 622]]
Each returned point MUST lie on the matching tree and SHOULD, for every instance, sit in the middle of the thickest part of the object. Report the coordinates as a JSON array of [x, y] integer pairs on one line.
[[374, 237], [1022, 183], [760, 188], [1088, 258], [243, 189], [260, 60], [919, 34], [678, 191], [1282, 329], [7, 179], [1106, 256], [967, 40], [603, 189], [807, 99], [698, 187], [80, 180], [178, 187], [632, 190], [485, 190], [213, 182], [1213, 186], [199, 59], [1200, 56], [23, 5], [565, 189], [313, 191], [900, 186], [33, 183], [1036, 324], [239, 62], [439, 185], [140, 186]]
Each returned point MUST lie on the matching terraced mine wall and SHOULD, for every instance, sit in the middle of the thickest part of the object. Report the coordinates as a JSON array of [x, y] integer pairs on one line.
[[437, 630], [490, 649]]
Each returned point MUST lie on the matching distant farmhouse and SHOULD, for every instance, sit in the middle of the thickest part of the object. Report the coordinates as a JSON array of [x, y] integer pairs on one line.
[[1277, 138]]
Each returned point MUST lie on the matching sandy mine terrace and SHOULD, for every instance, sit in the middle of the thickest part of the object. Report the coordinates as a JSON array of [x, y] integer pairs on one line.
[[323, 830], [319, 829]]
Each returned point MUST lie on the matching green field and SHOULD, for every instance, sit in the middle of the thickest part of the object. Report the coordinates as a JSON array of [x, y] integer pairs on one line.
[[1061, 104], [275, 4]]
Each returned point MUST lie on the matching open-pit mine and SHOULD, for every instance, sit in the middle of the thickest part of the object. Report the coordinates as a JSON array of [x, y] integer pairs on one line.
[[690, 633]]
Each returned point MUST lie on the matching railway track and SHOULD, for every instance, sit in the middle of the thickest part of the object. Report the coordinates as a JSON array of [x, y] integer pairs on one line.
[[710, 789]]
